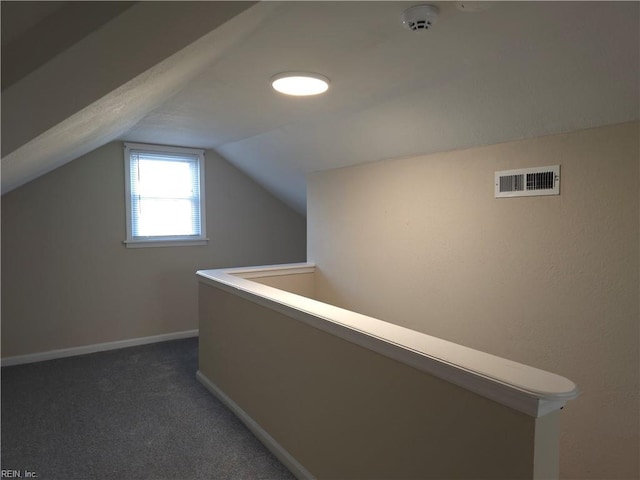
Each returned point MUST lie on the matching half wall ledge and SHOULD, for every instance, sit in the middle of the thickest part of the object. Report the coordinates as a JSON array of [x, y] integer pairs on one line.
[[523, 388]]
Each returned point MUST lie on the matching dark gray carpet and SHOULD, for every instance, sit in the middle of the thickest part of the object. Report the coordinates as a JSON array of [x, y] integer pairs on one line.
[[135, 413]]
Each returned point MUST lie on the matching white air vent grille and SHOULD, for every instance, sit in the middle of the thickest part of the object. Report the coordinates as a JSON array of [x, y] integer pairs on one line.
[[528, 182]]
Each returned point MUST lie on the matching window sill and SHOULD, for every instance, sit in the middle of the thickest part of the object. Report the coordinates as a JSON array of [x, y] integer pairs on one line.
[[165, 243]]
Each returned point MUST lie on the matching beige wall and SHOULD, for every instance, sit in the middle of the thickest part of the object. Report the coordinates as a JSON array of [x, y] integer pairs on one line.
[[298, 283], [68, 280], [547, 281], [345, 412]]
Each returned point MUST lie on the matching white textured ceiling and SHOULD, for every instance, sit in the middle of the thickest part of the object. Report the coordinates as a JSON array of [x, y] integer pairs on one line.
[[516, 70]]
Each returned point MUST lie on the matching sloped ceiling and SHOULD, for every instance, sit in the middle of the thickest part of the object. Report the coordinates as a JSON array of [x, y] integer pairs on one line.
[[510, 71]]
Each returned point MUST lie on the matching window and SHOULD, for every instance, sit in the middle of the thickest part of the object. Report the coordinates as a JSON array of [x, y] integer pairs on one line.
[[164, 189]]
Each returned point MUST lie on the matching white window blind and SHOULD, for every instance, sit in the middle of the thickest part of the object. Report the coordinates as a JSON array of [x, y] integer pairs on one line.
[[165, 195]]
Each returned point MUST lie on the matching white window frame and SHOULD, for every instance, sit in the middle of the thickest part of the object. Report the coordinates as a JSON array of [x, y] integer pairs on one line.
[[169, 240]]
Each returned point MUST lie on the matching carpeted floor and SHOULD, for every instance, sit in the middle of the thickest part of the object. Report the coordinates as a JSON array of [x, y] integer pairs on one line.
[[135, 413]]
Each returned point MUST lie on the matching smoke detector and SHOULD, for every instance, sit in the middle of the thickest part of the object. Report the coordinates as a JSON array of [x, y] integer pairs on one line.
[[420, 17]]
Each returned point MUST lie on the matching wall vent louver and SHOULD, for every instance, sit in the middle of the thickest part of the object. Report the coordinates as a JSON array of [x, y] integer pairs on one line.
[[528, 182]]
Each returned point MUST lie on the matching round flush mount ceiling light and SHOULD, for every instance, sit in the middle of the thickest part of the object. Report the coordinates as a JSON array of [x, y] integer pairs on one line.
[[300, 84]]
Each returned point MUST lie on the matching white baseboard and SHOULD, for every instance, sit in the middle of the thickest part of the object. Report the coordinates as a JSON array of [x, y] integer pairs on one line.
[[97, 347], [274, 447]]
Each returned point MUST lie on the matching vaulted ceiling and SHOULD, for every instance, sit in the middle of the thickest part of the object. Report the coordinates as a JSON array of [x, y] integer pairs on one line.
[[197, 74]]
